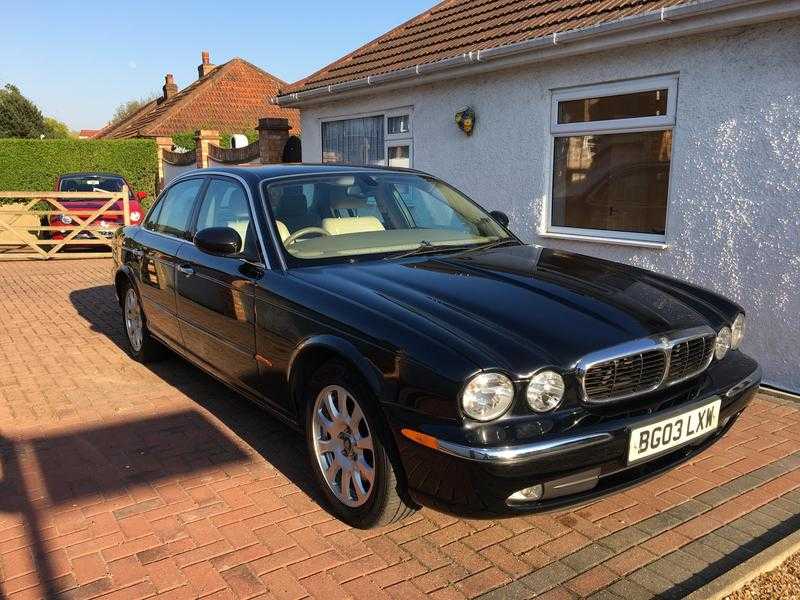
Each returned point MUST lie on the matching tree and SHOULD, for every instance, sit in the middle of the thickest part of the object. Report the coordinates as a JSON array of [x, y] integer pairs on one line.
[[55, 129], [126, 109], [19, 117]]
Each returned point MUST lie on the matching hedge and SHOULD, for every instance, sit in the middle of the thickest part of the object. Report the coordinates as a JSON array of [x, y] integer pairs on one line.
[[34, 165]]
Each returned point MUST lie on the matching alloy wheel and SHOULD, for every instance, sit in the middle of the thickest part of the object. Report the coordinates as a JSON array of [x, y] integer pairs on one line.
[[133, 320], [343, 446]]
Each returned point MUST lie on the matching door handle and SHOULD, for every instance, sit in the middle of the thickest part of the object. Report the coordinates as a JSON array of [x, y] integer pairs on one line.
[[186, 270]]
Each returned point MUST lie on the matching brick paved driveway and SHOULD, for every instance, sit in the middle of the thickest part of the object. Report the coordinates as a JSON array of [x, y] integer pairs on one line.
[[127, 481]]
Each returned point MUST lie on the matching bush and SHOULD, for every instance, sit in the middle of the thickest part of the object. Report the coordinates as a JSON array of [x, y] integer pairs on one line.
[[34, 165]]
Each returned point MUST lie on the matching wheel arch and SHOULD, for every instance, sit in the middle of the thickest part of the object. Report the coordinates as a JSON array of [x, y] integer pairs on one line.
[[122, 277], [315, 351]]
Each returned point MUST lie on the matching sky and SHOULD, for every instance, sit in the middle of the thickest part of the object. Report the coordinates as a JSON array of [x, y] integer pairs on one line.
[[79, 60]]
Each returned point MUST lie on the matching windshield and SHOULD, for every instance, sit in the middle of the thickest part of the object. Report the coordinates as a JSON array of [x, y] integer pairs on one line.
[[91, 183], [372, 213]]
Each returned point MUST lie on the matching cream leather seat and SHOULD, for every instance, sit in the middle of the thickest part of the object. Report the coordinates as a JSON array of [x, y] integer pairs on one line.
[[283, 231], [340, 226]]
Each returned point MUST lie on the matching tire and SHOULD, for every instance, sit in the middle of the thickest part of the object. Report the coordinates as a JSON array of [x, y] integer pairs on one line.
[[142, 347], [352, 445]]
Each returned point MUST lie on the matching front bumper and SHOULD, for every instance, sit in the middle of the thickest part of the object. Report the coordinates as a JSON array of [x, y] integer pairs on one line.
[[573, 467]]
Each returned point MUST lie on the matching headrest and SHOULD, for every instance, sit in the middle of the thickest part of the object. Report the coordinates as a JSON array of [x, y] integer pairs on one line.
[[292, 205], [342, 199]]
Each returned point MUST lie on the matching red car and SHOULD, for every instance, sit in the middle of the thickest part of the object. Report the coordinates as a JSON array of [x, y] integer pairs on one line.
[[94, 182]]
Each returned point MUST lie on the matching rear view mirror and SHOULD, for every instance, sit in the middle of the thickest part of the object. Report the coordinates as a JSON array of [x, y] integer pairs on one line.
[[500, 217], [219, 241]]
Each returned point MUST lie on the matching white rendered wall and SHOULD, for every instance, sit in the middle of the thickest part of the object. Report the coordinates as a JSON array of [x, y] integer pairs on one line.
[[734, 206]]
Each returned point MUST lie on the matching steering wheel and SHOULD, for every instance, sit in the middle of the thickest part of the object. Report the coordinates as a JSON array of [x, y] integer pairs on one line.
[[302, 233]]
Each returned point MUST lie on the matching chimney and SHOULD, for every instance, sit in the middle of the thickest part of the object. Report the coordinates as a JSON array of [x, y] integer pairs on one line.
[[170, 88], [205, 67]]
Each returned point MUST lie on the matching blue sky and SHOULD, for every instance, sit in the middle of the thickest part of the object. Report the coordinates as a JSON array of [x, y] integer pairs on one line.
[[79, 60]]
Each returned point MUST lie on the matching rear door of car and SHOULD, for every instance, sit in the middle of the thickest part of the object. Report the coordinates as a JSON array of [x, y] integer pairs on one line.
[[215, 294], [163, 233]]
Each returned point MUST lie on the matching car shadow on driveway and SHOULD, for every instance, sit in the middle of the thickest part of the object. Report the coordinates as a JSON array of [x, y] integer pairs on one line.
[[281, 447]]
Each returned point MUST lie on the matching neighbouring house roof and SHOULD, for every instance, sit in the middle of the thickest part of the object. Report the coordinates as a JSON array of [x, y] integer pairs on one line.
[[88, 133], [231, 98]]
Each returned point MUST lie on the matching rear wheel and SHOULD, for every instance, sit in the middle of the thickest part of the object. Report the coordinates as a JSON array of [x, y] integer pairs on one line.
[[349, 450], [141, 344]]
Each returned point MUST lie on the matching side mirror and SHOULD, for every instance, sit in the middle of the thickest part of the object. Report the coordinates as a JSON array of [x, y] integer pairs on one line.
[[141, 196], [500, 217], [219, 241]]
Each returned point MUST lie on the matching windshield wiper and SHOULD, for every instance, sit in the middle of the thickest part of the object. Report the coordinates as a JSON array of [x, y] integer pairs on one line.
[[492, 244], [424, 246]]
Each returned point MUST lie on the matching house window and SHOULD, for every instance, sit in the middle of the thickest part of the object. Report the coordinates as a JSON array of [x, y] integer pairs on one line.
[[382, 139], [612, 148]]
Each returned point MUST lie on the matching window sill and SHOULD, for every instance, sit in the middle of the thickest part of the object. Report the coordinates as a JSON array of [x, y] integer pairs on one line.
[[604, 240]]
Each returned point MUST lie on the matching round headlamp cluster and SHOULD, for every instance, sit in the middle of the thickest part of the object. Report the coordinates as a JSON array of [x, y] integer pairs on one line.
[[723, 343], [487, 396], [66, 219], [737, 331], [545, 391]]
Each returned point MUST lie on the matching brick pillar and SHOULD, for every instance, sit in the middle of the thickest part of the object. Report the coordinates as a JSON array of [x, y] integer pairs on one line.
[[203, 138], [162, 143], [273, 133]]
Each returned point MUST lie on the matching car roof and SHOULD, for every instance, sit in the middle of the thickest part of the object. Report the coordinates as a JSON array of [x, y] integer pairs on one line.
[[95, 173], [254, 175]]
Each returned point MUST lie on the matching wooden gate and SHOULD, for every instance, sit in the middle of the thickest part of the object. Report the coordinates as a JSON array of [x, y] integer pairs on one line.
[[25, 225]]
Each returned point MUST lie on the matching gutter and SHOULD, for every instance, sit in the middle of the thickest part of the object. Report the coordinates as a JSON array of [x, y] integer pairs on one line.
[[686, 19]]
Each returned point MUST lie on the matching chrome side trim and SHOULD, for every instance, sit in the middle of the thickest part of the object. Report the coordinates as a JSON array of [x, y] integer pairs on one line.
[[664, 343], [751, 380], [523, 452]]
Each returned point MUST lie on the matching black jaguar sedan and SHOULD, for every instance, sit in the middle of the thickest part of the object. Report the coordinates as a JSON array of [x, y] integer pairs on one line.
[[428, 355]]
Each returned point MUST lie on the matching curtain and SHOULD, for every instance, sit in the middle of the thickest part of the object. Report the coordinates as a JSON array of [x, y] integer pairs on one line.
[[354, 141]]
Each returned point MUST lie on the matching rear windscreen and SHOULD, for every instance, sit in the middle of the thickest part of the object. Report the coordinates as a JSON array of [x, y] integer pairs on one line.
[[91, 183]]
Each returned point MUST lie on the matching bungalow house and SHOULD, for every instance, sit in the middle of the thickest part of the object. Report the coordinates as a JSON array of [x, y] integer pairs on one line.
[[660, 133], [229, 98]]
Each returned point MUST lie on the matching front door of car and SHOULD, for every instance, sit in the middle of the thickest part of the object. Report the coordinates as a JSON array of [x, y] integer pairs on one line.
[[161, 236], [215, 297]]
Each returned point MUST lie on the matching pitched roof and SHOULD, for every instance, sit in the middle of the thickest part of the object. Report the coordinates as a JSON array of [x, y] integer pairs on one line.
[[455, 27], [88, 133], [234, 96]]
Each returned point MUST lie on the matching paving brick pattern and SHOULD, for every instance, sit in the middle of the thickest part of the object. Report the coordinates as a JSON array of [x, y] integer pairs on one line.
[[125, 481]]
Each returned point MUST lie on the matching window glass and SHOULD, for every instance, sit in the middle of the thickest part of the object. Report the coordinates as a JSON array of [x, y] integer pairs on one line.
[[225, 205], [616, 181], [354, 141], [172, 215], [91, 183], [371, 213], [397, 125], [399, 156], [622, 106]]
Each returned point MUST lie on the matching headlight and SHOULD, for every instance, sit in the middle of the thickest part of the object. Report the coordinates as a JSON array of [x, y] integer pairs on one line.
[[135, 216], [723, 343], [545, 391], [66, 219], [737, 331], [487, 396]]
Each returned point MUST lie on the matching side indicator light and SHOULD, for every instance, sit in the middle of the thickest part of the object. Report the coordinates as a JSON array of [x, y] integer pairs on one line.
[[421, 438]]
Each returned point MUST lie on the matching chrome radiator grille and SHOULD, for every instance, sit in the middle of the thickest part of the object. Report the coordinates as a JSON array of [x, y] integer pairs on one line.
[[689, 357], [645, 364], [636, 373]]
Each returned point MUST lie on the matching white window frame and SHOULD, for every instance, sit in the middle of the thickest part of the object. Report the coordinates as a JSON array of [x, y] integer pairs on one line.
[[634, 124], [389, 140]]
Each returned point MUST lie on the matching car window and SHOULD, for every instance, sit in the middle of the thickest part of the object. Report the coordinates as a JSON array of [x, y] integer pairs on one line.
[[372, 213], [171, 216], [225, 205]]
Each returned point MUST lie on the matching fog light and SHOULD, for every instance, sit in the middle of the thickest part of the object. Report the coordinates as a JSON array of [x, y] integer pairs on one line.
[[527, 494]]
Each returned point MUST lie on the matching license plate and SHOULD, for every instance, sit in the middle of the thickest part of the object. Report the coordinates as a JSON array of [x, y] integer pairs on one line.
[[672, 432]]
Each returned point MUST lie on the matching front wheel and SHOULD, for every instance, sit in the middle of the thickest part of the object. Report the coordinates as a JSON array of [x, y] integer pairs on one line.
[[348, 450]]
